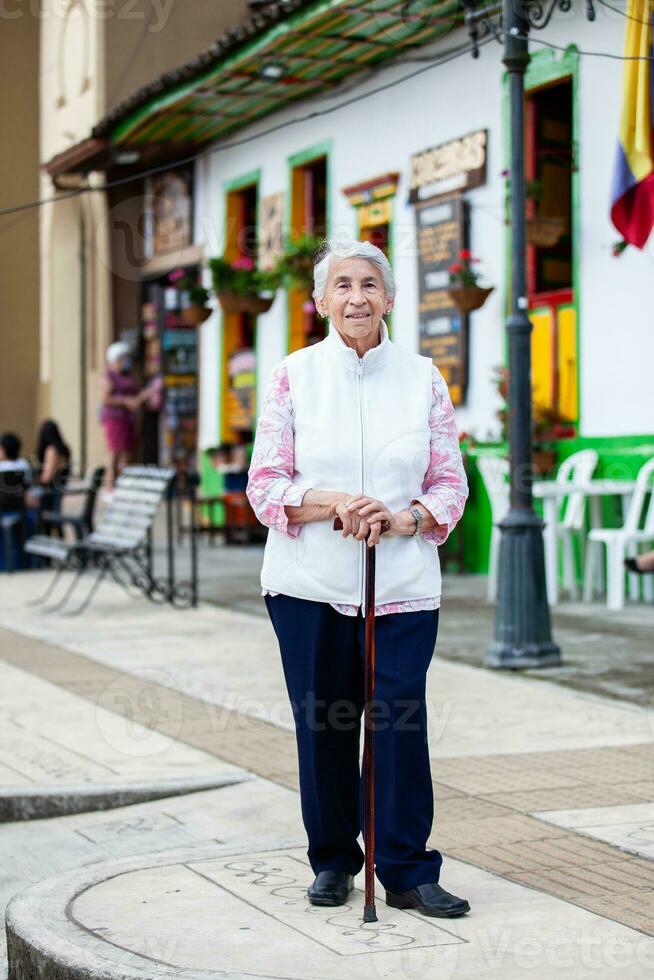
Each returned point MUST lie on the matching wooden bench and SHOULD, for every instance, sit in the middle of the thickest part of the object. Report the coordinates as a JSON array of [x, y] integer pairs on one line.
[[120, 545]]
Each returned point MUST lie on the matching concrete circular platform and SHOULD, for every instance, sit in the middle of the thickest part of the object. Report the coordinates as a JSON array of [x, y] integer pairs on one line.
[[57, 800], [211, 912]]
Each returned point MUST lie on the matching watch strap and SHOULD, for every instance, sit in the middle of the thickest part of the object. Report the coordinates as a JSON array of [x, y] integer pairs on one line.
[[419, 516]]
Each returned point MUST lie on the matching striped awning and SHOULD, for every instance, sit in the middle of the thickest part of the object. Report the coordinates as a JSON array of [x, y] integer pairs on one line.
[[272, 63]]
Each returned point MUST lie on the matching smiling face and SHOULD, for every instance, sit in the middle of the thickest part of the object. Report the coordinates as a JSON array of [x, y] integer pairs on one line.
[[355, 300]]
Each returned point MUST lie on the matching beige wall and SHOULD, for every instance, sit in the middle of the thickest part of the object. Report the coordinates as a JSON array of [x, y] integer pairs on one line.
[[89, 64], [19, 181], [149, 37], [64, 315], [71, 99]]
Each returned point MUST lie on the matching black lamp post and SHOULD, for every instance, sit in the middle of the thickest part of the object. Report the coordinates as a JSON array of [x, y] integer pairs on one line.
[[522, 624]]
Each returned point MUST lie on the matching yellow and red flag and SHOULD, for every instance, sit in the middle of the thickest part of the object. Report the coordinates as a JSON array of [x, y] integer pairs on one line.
[[632, 194]]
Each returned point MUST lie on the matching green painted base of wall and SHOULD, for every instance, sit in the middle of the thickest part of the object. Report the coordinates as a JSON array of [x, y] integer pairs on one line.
[[620, 458], [212, 484], [475, 527]]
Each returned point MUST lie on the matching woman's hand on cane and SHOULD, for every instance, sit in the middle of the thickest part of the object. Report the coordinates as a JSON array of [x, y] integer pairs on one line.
[[371, 514], [352, 523]]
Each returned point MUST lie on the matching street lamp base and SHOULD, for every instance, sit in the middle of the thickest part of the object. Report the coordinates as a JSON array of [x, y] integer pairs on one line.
[[516, 658], [523, 637]]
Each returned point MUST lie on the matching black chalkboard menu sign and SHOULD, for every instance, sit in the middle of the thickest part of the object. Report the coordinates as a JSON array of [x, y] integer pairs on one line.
[[443, 328]]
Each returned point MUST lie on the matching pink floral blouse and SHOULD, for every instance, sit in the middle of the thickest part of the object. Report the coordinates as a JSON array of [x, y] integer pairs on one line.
[[270, 487]]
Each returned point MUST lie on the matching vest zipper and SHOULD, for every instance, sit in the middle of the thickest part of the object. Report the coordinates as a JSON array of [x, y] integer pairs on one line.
[[362, 544]]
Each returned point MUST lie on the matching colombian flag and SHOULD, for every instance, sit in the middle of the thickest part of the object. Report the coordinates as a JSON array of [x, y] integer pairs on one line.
[[632, 194]]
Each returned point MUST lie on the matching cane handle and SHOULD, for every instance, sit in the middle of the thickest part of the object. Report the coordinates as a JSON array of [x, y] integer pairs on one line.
[[385, 526]]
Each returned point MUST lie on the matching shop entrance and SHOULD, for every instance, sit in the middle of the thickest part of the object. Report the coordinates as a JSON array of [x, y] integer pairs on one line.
[[169, 350], [239, 329], [550, 169], [308, 217]]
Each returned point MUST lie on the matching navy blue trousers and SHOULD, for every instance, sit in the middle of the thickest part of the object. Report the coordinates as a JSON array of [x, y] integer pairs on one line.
[[322, 655]]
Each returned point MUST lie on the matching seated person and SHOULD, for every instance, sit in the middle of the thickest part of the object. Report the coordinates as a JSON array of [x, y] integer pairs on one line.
[[54, 458], [15, 475], [10, 458], [643, 564]]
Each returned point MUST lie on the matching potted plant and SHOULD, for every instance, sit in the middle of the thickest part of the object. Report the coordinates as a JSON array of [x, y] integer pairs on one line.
[[194, 297], [543, 450], [295, 266], [241, 287], [543, 231], [465, 291], [548, 426]]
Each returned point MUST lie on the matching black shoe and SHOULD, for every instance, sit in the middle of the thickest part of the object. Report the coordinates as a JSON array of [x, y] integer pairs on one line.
[[430, 899], [330, 888]]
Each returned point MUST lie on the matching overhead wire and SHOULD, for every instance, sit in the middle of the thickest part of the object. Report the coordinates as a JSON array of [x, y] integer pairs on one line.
[[222, 147], [445, 58]]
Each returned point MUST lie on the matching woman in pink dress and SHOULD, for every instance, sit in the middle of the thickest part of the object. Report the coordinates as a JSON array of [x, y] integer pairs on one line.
[[121, 399]]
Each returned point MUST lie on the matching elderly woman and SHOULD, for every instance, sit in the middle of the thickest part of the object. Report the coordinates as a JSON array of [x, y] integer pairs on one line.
[[357, 428]]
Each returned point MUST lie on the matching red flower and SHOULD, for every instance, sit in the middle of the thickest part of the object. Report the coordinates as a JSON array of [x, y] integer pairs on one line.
[[456, 267], [243, 262], [465, 254]]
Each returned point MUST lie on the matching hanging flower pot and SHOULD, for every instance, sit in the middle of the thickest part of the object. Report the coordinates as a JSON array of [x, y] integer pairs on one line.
[[544, 232], [193, 297], [464, 290], [295, 266], [239, 284], [469, 298], [244, 303], [195, 314]]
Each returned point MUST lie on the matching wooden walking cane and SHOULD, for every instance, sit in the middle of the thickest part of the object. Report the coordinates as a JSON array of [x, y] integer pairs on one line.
[[369, 911]]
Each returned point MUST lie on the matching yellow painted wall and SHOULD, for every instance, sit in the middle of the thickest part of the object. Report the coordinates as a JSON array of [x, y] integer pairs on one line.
[[541, 357], [567, 363], [554, 348]]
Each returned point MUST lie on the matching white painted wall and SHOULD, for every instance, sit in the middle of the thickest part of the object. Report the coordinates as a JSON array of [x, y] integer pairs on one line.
[[380, 133], [617, 295]]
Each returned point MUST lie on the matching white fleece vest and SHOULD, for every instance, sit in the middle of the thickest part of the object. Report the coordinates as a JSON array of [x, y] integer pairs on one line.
[[361, 426]]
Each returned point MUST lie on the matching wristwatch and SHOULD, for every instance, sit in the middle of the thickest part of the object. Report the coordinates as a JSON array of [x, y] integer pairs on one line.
[[419, 516]]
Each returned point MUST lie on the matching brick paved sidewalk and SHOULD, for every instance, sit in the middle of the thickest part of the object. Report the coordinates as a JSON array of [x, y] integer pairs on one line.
[[515, 765]]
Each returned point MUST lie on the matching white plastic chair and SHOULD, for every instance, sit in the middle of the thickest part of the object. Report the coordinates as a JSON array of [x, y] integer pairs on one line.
[[619, 542], [577, 471], [495, 474]]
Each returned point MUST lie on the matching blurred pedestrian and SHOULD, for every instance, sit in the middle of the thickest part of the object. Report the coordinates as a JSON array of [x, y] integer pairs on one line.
[[121, 399], [52, 452], [53, 459], [10, 458]]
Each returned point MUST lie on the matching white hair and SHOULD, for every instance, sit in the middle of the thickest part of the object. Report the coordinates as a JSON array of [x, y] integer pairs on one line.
[[116, 351], [350, 249]]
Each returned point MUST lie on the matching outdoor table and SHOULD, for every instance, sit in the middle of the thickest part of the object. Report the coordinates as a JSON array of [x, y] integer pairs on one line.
[[552, 493]]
